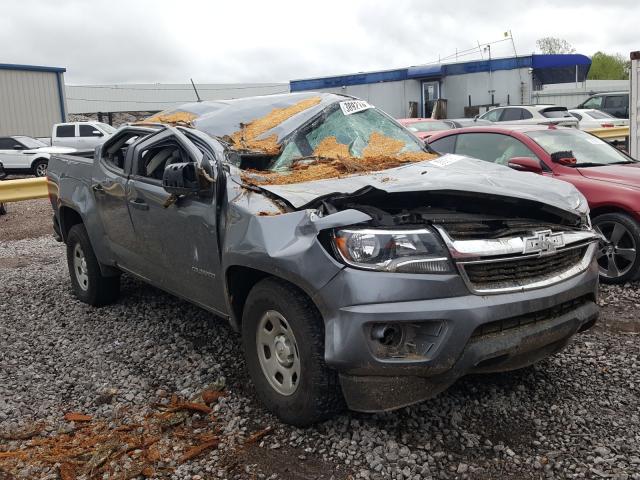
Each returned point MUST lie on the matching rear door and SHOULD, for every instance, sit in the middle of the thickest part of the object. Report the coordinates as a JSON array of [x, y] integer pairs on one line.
[[65, 135], [88, 136], [176, 242], [109, 185]]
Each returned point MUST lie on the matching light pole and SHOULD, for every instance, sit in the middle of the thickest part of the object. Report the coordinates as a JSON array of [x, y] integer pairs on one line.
[[491, 90]]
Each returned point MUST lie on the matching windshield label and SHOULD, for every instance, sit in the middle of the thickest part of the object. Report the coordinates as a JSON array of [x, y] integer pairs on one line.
[[354, 106]]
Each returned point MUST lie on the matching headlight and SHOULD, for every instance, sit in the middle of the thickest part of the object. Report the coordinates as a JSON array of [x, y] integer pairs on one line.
[[402, 251]]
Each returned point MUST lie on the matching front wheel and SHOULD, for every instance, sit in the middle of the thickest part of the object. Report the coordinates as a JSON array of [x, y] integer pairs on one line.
[[87, 281], [618, 258], [39, 168], [283, 339], [3, 209]]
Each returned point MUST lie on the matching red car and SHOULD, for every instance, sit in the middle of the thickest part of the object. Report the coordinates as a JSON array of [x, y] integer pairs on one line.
[[608, 178]]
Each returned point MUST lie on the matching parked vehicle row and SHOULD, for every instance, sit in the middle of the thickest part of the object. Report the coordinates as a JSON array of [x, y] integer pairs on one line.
[[359, 265], [531, 115]]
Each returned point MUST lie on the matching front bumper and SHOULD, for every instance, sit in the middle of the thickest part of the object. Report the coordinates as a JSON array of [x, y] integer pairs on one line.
[[461, 333]]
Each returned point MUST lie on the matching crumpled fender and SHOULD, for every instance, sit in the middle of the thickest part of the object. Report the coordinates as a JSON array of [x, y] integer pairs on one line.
[[285, 245]]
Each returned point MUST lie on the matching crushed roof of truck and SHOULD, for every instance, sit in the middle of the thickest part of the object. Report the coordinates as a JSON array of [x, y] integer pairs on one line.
[[226, 118]]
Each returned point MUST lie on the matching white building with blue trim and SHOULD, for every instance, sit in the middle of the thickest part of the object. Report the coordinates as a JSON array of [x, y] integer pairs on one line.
[[469, 87], [32, 99]]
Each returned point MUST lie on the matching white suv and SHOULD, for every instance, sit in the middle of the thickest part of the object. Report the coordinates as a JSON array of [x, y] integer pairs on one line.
[[532, 115], [22, 154]]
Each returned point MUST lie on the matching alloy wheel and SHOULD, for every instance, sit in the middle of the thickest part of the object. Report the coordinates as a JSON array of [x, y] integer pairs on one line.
[[617, 255]]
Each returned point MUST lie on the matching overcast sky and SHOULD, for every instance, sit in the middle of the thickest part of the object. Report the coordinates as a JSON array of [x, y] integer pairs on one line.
[[274, 41]]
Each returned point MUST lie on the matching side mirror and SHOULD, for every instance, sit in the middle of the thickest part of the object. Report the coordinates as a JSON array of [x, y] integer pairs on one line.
[[181, 178], [97, 133], [476, 117], [525, 164]]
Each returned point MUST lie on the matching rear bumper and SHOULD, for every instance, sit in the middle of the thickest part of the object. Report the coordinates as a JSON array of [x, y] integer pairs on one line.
[[455, 336]]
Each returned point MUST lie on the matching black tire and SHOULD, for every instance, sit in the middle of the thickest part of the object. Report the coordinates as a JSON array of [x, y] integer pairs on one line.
[[627, 268], [39, 167], [318, 395], [3, 209], [97, 290]]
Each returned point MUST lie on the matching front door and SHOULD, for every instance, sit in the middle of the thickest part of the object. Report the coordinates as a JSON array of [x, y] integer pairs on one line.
[[177, 242], [430, 93]]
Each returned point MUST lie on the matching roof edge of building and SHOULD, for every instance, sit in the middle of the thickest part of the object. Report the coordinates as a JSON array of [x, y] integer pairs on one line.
[[31, 68]]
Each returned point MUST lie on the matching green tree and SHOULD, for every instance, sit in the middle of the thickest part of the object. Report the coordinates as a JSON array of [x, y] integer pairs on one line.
[[608, 67], [551, 45]]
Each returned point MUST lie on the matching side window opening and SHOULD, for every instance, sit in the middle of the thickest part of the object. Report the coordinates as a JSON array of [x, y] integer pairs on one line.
[[492, 147], [153, 160], [66, 131], [444, 145], [493, 115], [511, 114], [115, 152], [9, 144], [89, 131]]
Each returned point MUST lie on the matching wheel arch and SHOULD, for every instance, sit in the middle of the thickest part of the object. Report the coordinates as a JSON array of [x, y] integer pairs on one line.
[[37, 159], [68, 218], [240, 279], [603, 209]]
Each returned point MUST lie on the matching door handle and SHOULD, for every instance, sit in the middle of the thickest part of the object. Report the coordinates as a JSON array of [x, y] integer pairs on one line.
[[139, 204]]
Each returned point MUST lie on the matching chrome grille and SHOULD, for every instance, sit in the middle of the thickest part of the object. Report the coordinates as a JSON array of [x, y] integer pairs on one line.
[[526, 269], [521, 262]]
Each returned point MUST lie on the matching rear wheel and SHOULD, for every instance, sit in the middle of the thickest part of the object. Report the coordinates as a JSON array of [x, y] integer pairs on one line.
[[3, 209], [618, 258], [283, 338], [87, 281], [39, 167]]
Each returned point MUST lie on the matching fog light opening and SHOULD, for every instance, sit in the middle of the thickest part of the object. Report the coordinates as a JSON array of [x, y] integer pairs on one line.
[[387, 335]]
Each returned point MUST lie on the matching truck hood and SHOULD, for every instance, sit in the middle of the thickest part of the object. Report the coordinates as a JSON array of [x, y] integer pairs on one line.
[[622, 174], [54, 150], [447, 173]]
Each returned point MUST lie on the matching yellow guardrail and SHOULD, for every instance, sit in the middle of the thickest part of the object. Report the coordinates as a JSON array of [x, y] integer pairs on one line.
[[23, 189], [610, 133]]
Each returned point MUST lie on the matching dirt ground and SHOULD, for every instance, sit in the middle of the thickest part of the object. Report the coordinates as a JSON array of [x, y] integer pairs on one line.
[[29, 219]]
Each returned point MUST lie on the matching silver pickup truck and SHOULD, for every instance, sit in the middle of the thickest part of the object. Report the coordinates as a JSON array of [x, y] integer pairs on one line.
[[358, 265]]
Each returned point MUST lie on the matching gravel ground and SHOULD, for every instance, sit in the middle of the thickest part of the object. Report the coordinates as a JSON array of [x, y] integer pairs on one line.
[[576, 415]]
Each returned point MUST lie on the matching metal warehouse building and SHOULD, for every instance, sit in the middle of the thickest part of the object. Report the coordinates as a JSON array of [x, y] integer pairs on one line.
[[469, 87], [31, 99]]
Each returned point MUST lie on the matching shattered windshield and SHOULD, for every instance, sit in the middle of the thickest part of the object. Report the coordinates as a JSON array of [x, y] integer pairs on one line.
[[334, 134]]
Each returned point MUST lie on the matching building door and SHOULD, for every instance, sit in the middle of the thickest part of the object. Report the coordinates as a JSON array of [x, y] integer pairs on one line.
[[430, 93]]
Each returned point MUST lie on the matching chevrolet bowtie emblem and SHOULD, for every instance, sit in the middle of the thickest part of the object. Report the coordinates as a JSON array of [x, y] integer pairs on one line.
[[543, 242]]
